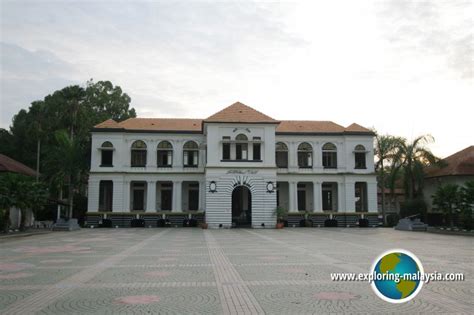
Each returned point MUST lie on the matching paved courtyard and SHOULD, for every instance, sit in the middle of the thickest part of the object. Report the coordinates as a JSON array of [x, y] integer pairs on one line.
[[194, 271]]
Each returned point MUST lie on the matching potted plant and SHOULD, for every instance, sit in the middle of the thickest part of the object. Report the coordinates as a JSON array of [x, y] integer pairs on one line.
[[280, 213], [306, 222]]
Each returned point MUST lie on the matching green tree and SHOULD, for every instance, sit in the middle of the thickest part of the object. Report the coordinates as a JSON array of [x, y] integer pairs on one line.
[[108, 101], [416, 156], [32, 136], [21, 192], [467, 204], [67, 165], [387, 151], [447, 199]]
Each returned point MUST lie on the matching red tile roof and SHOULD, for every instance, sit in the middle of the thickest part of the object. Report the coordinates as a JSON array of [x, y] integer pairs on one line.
[[357, 128], [8, 164], [308, 126], [235, 113], [460, 163], [240, 113], [154, 124]]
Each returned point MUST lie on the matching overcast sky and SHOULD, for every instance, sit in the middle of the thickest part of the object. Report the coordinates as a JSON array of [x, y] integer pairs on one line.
[[403, 67]]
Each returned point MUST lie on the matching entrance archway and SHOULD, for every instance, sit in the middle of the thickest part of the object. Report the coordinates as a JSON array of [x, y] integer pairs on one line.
[[241, 206]]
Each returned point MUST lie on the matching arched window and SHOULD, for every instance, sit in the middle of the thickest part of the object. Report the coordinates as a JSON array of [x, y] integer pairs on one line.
[[241, 147], [360, 157], [191, 154], [305, 155], [329, 155], [281, 155], [107, 151], [165, 154], [138, 154]]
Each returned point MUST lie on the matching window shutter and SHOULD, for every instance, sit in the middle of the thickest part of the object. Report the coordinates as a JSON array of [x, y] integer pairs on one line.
[[310, 160], [170, 157], [185, 158], [195, 158]]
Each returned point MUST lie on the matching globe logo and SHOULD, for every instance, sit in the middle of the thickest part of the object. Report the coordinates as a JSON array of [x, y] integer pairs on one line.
[[397, 276]]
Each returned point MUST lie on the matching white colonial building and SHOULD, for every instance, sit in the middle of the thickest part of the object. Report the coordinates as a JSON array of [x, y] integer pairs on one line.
[[232, 168]]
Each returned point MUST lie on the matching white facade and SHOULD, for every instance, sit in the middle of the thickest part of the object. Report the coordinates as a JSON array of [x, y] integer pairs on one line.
[[214, 185]]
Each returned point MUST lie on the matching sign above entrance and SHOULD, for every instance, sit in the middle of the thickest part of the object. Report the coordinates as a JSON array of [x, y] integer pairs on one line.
[[242, 172]]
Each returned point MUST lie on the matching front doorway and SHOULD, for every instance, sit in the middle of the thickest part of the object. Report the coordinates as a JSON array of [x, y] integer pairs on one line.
[[241, 207]]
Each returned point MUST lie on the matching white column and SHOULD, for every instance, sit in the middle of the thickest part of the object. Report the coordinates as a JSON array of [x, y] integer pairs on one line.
[[350, 196], [151, 155], [372, 196], [178, 153], [177, 191], [93, 196], [126, 196], [202, 195], [151, 196], [292, 156], [341, 202], [317, 197], [293, 193], [118, 197]]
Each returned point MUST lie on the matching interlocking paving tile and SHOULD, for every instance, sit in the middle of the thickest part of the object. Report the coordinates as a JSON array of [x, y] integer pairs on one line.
[[194, 271]]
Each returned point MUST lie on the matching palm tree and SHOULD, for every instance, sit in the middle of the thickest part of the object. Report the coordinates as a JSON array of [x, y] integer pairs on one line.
[[447, 199], [386, 150], [416, 156], [65, 164]]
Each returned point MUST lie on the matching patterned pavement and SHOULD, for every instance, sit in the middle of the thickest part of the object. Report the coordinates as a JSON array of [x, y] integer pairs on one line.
[[239, 271]]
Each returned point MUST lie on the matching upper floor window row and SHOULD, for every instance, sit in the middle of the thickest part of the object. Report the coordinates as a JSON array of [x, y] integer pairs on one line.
[[305, 155], [239, 149], [164, 153]]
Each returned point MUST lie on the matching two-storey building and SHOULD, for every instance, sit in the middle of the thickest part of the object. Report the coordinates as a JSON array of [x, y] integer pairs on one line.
[[235, 166]]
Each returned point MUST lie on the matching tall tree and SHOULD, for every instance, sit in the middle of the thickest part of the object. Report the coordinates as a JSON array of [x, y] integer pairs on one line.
[[66, 165], [416, 156], [75, 109], [386, 151]]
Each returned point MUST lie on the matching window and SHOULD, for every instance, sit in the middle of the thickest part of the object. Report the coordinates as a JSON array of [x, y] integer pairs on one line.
[[241, 147], [165, 154], [257, 154], [138, 154], [105, 195], [226, 148], [301, 197], [138, 195], [305, 155], [359, 155], [281, 155], [191, 154], [107, 150], [329, 155]]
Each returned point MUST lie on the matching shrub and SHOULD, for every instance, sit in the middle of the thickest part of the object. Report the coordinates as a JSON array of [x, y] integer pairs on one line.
[[392, 219], [106, 223], [137, 223], [330, 223], [363, 223], [412, 207]]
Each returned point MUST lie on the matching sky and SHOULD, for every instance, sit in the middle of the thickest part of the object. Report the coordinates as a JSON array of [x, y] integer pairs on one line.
[[403, 67]]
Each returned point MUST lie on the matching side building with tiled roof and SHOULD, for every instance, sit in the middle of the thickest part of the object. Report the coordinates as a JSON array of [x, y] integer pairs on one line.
[[457, 168], [233, 168]]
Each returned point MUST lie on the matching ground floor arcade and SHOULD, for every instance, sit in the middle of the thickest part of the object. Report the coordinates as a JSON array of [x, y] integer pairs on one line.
[[233, 200]]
